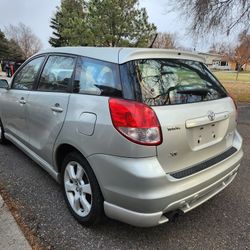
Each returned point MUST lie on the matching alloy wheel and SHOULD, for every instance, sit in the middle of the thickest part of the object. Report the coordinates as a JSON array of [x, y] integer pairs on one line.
[[78, 189]]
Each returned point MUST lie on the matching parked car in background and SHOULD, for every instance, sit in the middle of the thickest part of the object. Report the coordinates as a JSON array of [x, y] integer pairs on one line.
[[140, 135], [4, 83]]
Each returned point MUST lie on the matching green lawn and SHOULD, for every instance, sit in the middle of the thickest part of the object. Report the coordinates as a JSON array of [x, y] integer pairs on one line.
[[239, 89], [230, 76]]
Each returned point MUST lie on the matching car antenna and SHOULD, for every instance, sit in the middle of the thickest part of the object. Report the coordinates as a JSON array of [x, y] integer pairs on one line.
[[151, 45]]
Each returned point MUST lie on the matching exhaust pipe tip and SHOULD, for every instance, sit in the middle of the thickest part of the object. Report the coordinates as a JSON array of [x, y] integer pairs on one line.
[[174, 215]]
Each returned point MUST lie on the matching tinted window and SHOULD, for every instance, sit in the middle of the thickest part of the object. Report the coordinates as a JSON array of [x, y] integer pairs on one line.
[[27, 75], [57, 74], [174, 81], [97, 78]]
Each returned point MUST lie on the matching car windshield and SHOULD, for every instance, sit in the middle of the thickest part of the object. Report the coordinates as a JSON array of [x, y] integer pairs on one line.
[[175, 81]]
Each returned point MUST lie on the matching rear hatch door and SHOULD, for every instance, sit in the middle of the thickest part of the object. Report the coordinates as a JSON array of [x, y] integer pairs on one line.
[[197, 117], [193, 133]]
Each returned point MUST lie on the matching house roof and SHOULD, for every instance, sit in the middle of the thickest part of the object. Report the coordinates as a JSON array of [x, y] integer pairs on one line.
[[122, 55]]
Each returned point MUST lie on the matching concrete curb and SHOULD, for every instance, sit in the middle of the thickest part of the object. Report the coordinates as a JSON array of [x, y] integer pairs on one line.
[[11, 236]]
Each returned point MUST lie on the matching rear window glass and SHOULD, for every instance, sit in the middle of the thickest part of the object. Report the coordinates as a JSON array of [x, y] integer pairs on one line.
[[97, 77], [174, 81]]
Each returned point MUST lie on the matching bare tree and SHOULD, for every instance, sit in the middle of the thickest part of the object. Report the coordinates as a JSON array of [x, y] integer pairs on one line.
[[239, 54], [242, 52], [214, 15], [166, 41], [222, 48], [219, 48], [25, 38]]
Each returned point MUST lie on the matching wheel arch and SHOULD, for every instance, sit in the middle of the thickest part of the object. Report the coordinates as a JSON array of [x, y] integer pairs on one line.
[[61, 151], [59, 154]]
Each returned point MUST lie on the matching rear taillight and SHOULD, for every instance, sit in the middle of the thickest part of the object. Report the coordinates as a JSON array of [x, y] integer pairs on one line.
[[136, 121]]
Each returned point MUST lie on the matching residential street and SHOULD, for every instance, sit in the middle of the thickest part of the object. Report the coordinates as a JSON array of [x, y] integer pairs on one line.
[[221, 223]]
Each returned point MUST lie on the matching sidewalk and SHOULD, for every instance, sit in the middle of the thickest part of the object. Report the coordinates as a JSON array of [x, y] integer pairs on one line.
[[11, 237]]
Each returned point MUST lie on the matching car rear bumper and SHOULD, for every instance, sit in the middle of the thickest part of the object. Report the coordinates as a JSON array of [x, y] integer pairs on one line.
[[185, 204], [139, 192]]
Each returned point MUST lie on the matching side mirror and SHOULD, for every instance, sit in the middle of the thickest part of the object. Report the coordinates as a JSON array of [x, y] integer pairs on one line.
[[4, 84]]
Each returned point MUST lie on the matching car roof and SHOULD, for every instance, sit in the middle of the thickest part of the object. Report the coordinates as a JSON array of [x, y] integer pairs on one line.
[[122, 55]]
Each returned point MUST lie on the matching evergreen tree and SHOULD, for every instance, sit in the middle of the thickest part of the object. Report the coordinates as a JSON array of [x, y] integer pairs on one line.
[[69, 24], [14, 51], [3, 46], [9, 49], [56, 40], [106, 23], [119, 23]]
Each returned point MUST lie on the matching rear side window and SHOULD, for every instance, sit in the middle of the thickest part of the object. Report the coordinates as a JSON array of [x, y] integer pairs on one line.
[[57, 74], [25, 78], [97, 77], [174, 81]]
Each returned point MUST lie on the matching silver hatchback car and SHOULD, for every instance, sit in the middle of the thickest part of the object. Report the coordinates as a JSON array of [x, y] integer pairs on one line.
[[140, 135]]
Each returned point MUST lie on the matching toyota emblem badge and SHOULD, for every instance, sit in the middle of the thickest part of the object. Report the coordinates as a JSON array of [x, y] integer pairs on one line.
[[211, 115]]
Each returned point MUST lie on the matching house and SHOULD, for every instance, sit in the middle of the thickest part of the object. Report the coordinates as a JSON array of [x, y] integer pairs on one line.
[[222, 62], [246, 66], [211, 59]]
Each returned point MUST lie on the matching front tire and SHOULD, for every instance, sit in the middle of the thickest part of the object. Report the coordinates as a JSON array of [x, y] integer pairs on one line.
[[81, 190]]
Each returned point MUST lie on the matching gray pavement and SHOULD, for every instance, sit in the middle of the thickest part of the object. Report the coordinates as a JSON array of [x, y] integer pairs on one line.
[[221, 223], [244, 113], [11, 237]]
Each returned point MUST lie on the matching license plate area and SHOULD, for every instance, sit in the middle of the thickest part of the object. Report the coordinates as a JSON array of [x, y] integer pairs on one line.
[[206, 135]]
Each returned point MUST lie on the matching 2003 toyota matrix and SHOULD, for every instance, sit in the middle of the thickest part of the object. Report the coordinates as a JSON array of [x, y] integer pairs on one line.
[[137, 134]]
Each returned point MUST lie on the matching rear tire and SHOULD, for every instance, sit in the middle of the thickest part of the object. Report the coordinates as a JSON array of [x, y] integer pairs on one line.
[[81, 190], [2, 137]]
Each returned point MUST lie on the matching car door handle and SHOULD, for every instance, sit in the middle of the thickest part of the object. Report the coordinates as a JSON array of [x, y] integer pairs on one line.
[[22, 101], [57, 109]]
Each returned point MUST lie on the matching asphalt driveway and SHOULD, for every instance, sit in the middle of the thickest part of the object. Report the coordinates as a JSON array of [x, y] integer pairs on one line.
[[221, 223]]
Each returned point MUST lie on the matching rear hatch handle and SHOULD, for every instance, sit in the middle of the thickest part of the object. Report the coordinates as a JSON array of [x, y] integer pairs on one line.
[[211, 117]]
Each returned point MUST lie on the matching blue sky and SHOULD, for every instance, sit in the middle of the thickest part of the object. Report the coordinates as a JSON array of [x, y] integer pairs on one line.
[[37, 14]]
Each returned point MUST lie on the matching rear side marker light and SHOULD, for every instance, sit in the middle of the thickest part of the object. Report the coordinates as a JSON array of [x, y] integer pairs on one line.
[[136, 121]]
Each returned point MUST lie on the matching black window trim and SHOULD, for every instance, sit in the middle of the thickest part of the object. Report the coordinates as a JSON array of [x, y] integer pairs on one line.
[[134, 87], [76, 57]]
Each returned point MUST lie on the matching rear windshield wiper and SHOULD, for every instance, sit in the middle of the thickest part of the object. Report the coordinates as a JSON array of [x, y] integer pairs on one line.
[[198, 91]]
